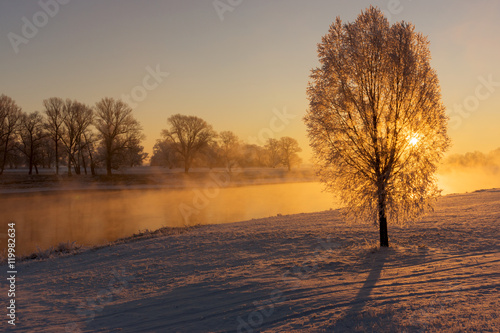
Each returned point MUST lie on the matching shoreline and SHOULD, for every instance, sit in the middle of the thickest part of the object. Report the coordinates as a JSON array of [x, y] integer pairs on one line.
[[69, 248], [21, 183]]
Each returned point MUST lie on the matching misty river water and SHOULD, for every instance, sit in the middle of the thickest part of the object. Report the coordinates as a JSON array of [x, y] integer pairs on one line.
[[97, 216]]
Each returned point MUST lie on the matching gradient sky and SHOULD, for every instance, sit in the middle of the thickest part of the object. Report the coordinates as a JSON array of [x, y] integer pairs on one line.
[[234, 72]]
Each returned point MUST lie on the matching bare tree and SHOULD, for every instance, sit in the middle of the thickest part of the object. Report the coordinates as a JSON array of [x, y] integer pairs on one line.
[[46, 154], [90, 140], [134, 155], [289, 148], [54, 110], [32, 135], [84, 120], [273, 152], [230, 148], [77, 117], [253, 156], [376, 121], [190, 135], [212, 154], [164, 154], [118, 130], [10, 118]]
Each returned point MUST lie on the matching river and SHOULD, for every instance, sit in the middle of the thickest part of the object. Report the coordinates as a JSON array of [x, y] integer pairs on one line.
[[94, 217]]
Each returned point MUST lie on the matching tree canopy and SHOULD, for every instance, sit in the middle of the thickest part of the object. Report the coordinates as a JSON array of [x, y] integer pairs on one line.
[[376, 122]]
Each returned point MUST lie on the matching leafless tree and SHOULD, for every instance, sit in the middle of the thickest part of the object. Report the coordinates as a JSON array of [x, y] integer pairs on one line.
[[32, 135], [46, 154], [273, 152], [90, 140], [118, 130], [77, 118], [84, 121], [376, 121], [164, 154], [189, 135], [230, 147], [289, 148], [54, 111], [10, 118], [134, 155], [253, 156]]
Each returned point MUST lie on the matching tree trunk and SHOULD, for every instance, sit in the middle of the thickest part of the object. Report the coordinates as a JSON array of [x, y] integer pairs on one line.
[[69, 163], [57, 157], [108, 165], [382, 218], [4, 156], [84, 164], [187, 164], [30, 172], [92, 164], [109, 155], [76, 163]]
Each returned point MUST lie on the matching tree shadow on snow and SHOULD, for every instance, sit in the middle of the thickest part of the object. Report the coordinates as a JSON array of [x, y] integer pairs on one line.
[[355, 317]]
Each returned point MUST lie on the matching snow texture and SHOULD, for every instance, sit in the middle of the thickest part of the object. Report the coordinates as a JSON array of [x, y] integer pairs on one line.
[[298, 273]]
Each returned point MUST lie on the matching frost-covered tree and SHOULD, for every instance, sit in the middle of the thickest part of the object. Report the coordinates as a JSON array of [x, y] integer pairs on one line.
[[376, 121]]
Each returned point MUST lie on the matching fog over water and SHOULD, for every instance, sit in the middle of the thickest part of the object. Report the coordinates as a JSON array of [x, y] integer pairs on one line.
[[98, 216], [91, 217], [469, 172]]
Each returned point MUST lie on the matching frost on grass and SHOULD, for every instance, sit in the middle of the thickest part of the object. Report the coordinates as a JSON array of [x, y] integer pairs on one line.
[[72, 248], [269, 274]]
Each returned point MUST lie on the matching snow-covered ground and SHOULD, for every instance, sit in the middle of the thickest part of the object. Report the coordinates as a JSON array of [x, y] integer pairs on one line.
[[297, 273]]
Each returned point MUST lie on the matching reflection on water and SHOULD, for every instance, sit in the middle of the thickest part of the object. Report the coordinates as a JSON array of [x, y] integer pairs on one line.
[[95, 217]]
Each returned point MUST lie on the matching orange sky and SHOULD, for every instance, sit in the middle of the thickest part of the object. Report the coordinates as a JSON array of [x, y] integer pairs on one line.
[[236, 67]]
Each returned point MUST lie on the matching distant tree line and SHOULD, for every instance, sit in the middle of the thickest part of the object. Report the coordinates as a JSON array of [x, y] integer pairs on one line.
[[190, 141], [70, 134], [81, 138]]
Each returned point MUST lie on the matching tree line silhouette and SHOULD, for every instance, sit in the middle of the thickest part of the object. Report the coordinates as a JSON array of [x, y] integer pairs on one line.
[[82, 138], [70, 133], [191, 141]]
